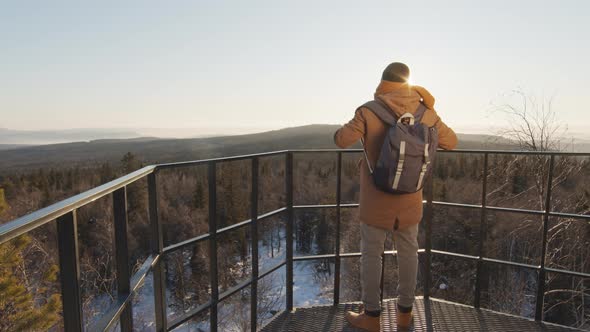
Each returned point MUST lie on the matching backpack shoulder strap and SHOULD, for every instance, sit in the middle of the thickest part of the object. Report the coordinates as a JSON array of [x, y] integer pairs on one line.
[[420, 112], [382, 111]]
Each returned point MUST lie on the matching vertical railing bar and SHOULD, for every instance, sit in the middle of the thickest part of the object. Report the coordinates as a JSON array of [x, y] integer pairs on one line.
[[338, 222], [289, 240], [122, 255], [213, 277], [254, 239], [157, 245], [382, 282], [542, 270], [69, 269], [428, 237], [482, 234]]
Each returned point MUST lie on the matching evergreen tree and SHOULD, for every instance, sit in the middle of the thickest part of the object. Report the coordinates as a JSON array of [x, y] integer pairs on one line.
[[3, 204], [199, 196], [519, 183], [136, 192], [18, 311], [130, 163], [106, 173]]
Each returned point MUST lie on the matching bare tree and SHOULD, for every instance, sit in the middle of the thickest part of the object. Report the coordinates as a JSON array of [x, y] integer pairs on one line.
[[532, 122], [534, 125]]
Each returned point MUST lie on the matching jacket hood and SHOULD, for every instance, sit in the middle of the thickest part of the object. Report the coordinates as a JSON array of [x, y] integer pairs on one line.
[[402, 97]]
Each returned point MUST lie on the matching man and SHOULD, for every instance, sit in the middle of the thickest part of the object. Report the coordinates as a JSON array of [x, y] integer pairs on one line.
[[380, 211]]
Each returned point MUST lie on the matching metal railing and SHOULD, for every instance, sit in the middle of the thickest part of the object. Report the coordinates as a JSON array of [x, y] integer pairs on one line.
[[64, 213]]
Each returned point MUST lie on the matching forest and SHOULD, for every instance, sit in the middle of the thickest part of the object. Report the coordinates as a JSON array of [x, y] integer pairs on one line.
[[513, 182]]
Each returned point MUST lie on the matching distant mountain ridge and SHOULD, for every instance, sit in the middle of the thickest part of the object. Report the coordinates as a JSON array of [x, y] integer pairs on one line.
[[157, 150], [12, 146], [36, 137], [43, 137]]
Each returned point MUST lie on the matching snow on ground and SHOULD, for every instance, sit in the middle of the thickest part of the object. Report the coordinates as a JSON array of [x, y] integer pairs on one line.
[[313, 285]]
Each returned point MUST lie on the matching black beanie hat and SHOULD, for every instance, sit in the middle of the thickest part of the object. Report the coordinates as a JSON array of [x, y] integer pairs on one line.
[[396, 72]]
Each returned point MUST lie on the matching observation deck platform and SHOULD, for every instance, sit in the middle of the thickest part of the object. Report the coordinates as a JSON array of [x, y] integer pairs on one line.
[[429, 315]]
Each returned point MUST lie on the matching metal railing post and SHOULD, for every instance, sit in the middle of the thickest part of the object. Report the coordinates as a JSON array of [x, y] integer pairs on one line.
[[157, 245], [254, 239], [428, 237], [289, 240], [382, 282], [69, 270], [338, 222], [482, 234], [542, 271], [213, 277], [122, 255]]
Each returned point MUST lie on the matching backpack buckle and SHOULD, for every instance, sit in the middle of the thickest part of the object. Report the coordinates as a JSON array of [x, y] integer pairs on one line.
[[407, 118]]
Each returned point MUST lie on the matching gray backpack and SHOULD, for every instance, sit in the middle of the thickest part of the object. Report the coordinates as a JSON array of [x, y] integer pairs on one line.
[[407, 152]]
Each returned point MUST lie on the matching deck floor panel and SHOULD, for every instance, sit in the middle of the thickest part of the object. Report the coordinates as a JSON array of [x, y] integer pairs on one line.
[[434, 315]]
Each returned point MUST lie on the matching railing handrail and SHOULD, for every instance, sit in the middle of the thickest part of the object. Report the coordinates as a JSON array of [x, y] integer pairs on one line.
[[478, 151], [40, 217], [220, 159]]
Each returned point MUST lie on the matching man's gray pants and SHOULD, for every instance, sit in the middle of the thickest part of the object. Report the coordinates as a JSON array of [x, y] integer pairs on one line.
[[406, 244]]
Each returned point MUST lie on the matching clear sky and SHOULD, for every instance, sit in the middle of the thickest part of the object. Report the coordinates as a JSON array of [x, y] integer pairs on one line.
[[272, 64]]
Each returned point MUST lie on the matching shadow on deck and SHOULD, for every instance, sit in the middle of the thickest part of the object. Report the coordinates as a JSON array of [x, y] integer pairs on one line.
[[429, 315]]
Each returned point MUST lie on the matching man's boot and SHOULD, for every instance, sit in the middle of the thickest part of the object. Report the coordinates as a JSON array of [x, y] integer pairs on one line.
[[367, 321], [404, 317]]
